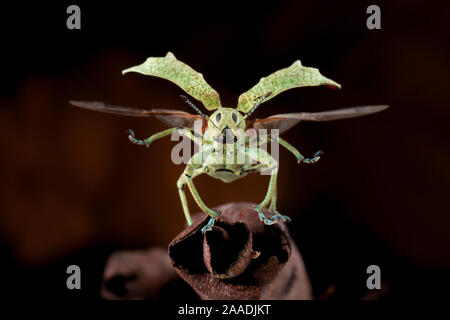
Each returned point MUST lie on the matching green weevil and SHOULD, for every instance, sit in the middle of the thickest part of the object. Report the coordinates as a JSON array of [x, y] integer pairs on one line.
[[224, 128]]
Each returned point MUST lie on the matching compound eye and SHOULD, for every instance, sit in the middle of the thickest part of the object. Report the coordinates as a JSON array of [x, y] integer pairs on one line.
[[218, 116], [234, 117]]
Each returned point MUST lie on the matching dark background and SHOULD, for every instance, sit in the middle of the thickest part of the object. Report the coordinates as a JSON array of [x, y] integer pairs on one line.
[[73, 189]]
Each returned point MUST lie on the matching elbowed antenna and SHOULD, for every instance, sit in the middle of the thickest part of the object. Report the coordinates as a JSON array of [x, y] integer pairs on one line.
[[256, 106], [188, 102], [204, 116]]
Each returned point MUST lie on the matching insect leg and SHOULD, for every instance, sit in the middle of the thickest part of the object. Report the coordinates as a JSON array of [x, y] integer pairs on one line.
[[181, 183], [183, 131], [133, 139], [272, 197], [189, 174], [268, 197], [265, 161], [191, 134], [273, 209], [270, 191], [183, 200], [268, 163], [197, 198], [273, 201], [297, 154], [313, 159]]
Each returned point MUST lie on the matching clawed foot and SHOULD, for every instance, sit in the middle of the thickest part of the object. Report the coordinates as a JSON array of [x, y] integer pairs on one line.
[[208, 226], [273, 219], [313, 159], [281, 217], [262, 217], [136, 141]]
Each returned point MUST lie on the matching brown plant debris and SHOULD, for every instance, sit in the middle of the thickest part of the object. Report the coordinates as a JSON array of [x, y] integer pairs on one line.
[[240, 258]]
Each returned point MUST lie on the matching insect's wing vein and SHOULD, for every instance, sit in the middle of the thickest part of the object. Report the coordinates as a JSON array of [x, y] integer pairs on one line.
[[173, 118], [284, 122]]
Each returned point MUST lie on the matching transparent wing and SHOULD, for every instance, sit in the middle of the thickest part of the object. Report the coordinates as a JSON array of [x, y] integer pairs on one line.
[[173, 118], [181, 74], [288, 78], [284, 122]]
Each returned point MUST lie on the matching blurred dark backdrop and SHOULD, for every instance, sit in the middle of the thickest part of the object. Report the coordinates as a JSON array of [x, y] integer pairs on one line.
[[73, 189]]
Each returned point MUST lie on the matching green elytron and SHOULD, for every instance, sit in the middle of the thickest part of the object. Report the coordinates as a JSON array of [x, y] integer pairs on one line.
[[221, 135]]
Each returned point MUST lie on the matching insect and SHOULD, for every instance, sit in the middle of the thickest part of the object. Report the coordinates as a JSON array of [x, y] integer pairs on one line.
[[224, 128]]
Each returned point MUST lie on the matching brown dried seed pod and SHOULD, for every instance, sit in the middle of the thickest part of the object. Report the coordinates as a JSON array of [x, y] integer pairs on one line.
[[138, 274], [222, 263]]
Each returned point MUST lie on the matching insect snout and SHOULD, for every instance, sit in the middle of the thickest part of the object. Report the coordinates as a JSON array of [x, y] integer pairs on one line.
[[226, 136]]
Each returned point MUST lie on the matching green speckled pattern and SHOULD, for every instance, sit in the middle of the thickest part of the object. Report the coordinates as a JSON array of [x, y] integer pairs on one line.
[[288, 78], [181, 74]]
